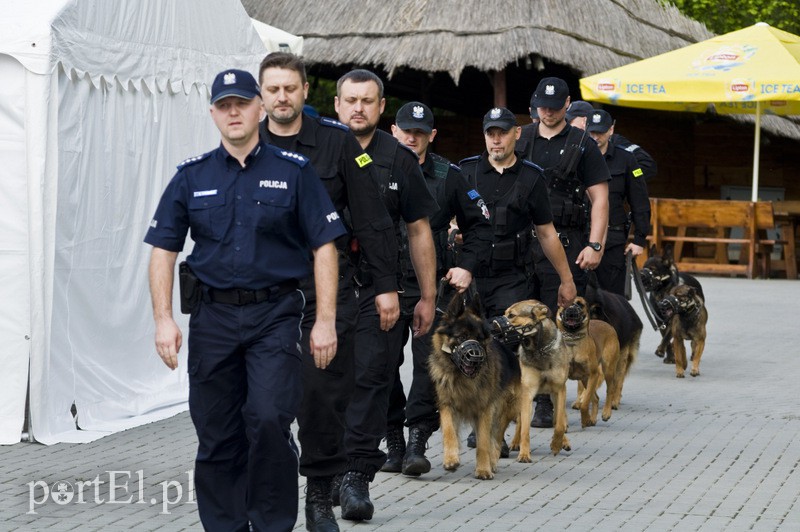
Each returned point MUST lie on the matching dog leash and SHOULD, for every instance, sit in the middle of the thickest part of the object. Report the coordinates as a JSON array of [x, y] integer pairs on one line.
[[651, 313]]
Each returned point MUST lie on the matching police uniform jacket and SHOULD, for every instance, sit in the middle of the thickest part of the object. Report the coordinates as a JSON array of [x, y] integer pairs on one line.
[[254, 226], [627, 184], [516, 200], [457, 198], [345, 173], [547, 152], [645, 160]]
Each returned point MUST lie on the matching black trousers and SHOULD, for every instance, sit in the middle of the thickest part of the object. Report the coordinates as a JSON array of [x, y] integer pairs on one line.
[[545, 285], [421, 405], [327, 392], [376, 356], [244, 391], [500, 289], [611, 272]]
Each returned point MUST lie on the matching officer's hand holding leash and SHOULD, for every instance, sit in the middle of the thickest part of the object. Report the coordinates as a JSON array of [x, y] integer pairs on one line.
[[388, 307], [567, 292], [634, 249], [459, 278]]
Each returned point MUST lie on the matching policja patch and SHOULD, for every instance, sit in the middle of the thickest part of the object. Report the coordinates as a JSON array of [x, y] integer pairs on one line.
[[363, 160]]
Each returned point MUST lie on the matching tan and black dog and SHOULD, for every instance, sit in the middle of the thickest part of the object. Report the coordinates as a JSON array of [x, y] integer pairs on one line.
[[686, 316], [573, 322], [544, 366], [476, 380], [613, 369], [615, 310]]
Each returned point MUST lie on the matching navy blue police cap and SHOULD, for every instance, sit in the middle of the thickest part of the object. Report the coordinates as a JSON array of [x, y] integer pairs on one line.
[[234, 82]]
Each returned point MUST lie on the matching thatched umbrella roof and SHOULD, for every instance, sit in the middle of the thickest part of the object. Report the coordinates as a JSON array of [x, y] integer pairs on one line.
[[588, 36]]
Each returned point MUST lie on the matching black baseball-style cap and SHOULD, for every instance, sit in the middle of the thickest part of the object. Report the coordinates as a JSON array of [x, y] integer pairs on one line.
[[551, 92], [599, 121], [577, 109], [234, 83], [415, 115], [499, 117]]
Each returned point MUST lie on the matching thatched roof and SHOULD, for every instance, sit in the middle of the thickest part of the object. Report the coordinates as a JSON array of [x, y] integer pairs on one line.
[[588, 36]]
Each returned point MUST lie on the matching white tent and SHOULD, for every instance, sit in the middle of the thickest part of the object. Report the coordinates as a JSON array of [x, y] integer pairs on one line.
[[99, 101]]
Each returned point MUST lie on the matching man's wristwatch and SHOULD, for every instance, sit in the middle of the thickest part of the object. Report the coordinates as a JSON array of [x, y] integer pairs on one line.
[[597, 246]]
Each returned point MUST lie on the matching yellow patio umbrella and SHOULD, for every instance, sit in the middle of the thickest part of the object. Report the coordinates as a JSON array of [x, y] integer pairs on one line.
[[755, 70]]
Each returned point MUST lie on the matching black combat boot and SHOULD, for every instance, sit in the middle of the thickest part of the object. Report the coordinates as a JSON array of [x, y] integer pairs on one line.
[[396, 447], [319, 511], [354, 497], [414, 462], [336, 487], [543, 415], [472, 443]]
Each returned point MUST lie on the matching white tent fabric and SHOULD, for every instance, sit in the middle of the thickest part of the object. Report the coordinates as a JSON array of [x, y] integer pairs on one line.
[[99, 102], [277, 40]]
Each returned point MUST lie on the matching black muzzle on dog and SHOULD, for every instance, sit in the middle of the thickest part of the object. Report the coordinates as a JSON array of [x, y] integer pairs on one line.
[[507, 334], [671, 305], [653, 281], [468, 356], [572, 317]]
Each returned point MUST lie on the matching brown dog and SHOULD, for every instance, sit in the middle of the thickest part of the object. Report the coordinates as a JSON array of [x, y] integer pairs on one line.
[[544, 366], [614, 368], [687, 316], [573, 322], [476, 380]]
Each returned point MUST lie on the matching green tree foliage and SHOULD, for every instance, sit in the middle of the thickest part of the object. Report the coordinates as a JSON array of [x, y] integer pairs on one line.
[[722, 16]]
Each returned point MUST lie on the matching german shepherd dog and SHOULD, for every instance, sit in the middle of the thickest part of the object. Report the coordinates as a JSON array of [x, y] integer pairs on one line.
[[687, 317], [476, 380], [659, 276], [544, 365], [615, 310], [573, 322]]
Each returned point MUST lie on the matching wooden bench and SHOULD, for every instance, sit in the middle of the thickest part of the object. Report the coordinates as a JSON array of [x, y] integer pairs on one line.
[[672, 218]]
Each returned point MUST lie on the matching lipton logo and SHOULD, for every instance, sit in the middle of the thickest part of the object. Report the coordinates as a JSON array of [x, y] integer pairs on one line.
[[606, 86], [723, 56], [740, 86]]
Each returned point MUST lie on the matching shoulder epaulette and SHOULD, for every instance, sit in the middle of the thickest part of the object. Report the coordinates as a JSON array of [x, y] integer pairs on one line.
[[532, 164], [441, 166], [330, 122], [194, 160], [632, 148], [296, 158], [469, 160], [455, 167]]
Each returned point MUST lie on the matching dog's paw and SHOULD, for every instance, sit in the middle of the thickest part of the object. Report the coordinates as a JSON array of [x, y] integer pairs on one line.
[[451, 465], [695, 373], [679, 375], [669, 359], [615, 406], [566, 445], [606, 417], [484, 474], [659, 352], [576, 405], [524, 458]]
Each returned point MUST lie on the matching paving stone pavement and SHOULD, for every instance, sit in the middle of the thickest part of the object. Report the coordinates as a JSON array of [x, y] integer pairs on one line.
[[716, 452]]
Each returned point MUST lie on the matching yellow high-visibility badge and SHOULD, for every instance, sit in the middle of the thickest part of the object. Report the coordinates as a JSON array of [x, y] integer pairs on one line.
[[638, 172], [363, 160]]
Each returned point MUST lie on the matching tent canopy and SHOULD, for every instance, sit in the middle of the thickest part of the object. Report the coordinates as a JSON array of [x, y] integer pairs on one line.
[[99, 102]]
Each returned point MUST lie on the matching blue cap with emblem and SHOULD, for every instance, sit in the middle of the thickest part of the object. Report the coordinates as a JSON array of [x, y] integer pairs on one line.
[[234, 83], [599, 121], [551, 93], [415, 115], [499, 117]]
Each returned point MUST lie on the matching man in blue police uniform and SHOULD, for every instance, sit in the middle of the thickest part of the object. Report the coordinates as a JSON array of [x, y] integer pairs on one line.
[[359, 103], [457, 199], [579, 110], [627, 186], [574, 171], [256, 213], [515, 192], [345, 172]]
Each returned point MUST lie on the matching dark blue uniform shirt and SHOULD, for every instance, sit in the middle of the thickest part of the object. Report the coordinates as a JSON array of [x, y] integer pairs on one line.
[[253, 226]]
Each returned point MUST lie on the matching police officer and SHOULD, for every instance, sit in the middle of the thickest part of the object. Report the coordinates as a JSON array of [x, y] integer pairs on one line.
[[413, 127], [359, 103], [345, 172], [627, 185], [575, 170], [576, 116], [515, 192], [256, 214]]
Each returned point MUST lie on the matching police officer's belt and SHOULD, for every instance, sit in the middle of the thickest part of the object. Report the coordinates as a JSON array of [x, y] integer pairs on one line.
[[620, 227], [240, 296]]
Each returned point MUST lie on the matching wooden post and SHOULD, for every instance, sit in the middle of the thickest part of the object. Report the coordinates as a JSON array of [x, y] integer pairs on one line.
[[499, 85]]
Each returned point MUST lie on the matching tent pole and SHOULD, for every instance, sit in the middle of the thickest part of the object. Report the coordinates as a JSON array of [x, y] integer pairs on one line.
[[756, 151]]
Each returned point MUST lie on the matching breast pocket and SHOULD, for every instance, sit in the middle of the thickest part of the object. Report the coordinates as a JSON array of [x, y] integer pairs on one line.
[[207, 216], [272, 209]]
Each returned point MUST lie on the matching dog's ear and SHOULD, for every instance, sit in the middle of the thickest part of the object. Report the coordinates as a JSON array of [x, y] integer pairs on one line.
[[474, 302], [456, 306], [592, 279], [596, 312], [691, 291], [668, 252], [653, 251]]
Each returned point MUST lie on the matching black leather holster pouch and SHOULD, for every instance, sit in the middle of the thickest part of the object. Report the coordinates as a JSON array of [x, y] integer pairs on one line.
[[190, 287]]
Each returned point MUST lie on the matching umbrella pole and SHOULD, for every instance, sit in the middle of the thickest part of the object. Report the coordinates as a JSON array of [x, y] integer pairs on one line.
[[756, 151]]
